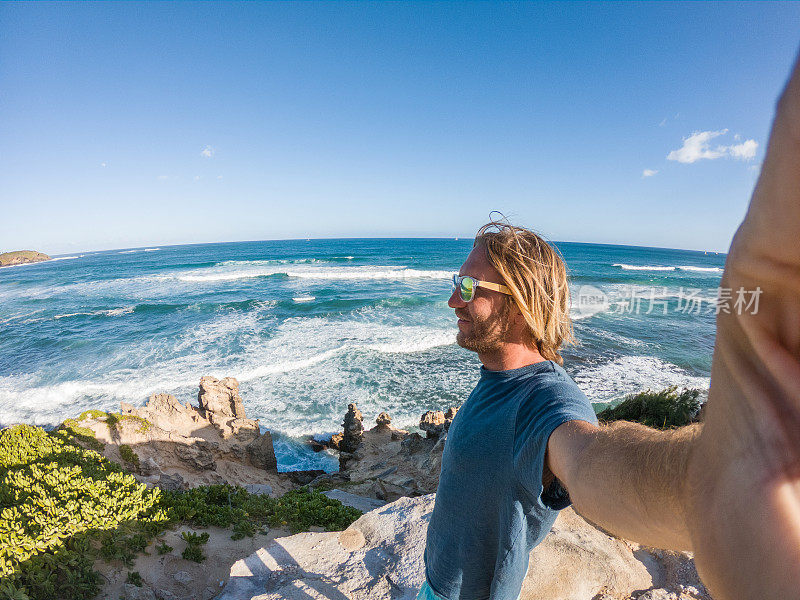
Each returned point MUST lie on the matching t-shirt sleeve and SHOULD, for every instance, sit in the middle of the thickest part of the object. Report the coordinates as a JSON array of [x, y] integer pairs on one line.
[[538, 415]]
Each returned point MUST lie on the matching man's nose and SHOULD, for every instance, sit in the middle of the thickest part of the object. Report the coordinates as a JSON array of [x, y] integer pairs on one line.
[[455, 300]]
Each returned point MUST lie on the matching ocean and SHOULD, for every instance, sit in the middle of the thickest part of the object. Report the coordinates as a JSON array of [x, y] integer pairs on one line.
[[308, 326]]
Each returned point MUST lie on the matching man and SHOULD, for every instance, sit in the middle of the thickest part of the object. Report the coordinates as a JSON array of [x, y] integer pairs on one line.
[[728, 490]]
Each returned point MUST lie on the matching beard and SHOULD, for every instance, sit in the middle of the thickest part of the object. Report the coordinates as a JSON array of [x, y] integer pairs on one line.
[[487, 334]]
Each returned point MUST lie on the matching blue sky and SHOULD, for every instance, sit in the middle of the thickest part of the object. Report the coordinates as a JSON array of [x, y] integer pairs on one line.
[[126, 125]]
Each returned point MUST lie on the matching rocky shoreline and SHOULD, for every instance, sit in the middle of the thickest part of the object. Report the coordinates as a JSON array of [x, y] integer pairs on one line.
[[389, 474]]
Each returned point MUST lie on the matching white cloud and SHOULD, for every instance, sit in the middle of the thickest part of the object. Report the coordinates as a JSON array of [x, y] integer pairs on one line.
[[744, 151], [663, 122], [196, 177], [698, 146], [649, 172], [207, 152], [162, 177], [219, 177], [103, 165]]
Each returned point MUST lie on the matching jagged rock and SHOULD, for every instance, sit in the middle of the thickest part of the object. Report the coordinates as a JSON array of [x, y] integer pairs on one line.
[[383, 420], [262, 452], [449, 415], [126, 409], [199, 454], [379, 557], [220, 397], [353, 429], [149, 466], [336, 441], [432, 423], [172, 482], [414, 443], [165, 404], [361, 503], [304, 477]]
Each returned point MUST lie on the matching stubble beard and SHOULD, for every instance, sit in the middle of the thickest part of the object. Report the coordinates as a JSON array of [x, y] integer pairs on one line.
[[487, 335]]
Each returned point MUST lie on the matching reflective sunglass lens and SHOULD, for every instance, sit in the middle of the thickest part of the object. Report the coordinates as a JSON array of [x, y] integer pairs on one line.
[[467, 288]]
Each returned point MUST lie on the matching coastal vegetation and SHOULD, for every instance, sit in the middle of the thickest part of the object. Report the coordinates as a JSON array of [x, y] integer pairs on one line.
[[664, 409], [63, 506], [20, 257]]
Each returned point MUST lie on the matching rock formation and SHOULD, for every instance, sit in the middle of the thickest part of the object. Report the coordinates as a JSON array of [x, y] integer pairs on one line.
[[20, 257], [388, 463], [379, 557], [176, 445]]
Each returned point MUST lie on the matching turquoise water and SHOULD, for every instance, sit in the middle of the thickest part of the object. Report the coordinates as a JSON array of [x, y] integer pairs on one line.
[[310, 326]]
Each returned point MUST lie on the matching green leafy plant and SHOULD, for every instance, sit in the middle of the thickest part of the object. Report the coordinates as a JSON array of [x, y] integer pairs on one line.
[[663, 409], [128, 455], [194, 553], [164, 548], [63, 506], [193, 539], [134, 578], [113, 420]]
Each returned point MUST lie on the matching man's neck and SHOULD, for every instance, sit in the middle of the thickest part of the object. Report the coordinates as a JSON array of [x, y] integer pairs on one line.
[[510, 356]]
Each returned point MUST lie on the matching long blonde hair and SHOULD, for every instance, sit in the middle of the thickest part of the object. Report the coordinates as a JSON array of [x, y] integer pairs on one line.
[[536, 275]]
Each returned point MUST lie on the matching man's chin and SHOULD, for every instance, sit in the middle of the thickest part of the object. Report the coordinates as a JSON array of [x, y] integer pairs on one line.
[[470, 343]]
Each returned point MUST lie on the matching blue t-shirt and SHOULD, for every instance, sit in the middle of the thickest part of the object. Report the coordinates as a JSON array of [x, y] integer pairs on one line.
[[491, 509]]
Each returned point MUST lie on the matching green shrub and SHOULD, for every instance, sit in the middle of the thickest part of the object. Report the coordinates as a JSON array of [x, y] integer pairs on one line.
[[128, 455], [63, 506], [665, 409], [55, 498], [193, 552], [193, 539], [82, 435], [113, 421], [164, 548], [92, 414], [134, 578]]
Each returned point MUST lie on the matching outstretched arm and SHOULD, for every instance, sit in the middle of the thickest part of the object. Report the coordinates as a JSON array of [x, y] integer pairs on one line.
[[627, 478], [730, 491]]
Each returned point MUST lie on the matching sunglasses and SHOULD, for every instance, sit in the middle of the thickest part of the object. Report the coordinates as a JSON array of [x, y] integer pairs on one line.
[[466, 286]]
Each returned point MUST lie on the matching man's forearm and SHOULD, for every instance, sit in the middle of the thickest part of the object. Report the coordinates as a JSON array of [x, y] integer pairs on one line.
[[631, 480]]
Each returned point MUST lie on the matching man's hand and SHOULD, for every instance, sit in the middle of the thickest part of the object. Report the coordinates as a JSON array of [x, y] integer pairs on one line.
[[743, 498]]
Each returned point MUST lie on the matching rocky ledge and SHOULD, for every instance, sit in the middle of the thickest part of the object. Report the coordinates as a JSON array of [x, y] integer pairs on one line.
[[174, 445], [389, 474], [379, 557], [21, 257]]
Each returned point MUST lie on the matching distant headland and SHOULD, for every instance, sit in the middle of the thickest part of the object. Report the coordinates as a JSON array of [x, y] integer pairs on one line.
[[20, 257]]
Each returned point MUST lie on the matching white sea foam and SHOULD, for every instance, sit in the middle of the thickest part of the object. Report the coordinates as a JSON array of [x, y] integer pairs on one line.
[[700, 269], [669, 268], [317, 352], [630, 374], [325, 273], [301, 299], [643, 267], [113, 312], [20, 316], [67, 257], [151, 249], [390, 273]]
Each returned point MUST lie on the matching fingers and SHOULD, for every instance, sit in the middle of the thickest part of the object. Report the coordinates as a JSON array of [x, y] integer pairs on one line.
[[772, 224]]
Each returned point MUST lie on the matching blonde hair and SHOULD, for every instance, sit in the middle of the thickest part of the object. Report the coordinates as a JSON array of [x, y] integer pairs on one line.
[[536, 275]]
